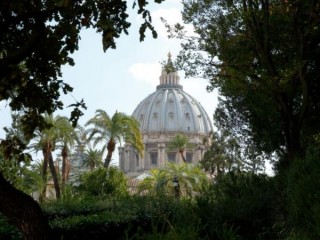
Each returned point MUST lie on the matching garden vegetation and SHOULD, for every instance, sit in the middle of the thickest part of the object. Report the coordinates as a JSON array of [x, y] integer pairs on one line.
[[263, 58]]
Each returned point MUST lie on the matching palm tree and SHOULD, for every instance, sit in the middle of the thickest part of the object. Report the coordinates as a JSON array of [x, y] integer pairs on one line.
[[191, 179], [180, 143], [156, 184], [113, 130], [81, 138], [66, 138], [46, 140], [92, 158]]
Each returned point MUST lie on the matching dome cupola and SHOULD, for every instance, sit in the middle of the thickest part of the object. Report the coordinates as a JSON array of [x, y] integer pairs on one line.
[[170, 109], [169, 76]]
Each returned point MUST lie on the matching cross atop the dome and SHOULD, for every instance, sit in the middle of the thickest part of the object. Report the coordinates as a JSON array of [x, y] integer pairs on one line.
[[169, 66]]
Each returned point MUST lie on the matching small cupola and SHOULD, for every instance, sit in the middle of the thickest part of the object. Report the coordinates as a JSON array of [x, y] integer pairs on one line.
[[169, 76]]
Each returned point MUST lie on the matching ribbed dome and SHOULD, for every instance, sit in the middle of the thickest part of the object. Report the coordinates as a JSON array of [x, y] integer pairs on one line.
[[170, 109]]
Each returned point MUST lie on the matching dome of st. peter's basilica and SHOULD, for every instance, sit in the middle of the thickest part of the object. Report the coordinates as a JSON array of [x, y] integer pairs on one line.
[[164, 113]]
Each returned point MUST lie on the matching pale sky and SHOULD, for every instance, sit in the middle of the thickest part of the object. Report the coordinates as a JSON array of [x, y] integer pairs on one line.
[[117, 80]]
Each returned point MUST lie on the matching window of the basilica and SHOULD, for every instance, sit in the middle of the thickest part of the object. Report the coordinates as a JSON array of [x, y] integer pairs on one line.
[[189, 157], [171, 157], [137, 160], [153, 158]]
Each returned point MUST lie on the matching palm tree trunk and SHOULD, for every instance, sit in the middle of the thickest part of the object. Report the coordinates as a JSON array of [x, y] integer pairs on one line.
[[54, 175], [182, 156], [23, 211], [65, 165], [110, 147], [107, 160], [42, 194], [92, 166]]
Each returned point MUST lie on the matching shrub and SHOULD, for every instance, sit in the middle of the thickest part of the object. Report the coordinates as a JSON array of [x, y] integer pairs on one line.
[[7, 231], [108, 217], [103, 182], [303, 196], [238, 205]]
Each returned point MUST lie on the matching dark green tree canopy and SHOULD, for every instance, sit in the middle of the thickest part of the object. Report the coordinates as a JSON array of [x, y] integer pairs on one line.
[[37, 38], [263, 57]]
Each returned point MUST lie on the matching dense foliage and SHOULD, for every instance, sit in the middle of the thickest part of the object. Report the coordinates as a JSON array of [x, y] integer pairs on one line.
[[36, 40], [190, 179], [102, 181], [236, 206], [303, 203], [263, 57], [28, 28]]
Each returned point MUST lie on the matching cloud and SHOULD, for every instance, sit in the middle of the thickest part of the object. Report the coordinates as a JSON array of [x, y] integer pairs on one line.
[[171, 15], [196, 87], [146, 72]]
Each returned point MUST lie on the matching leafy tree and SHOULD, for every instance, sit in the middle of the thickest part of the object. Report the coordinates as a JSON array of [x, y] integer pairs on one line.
[[224, 154], [36, 40], [243, 203], [11, 170], [302, 205], [263, 57], [113, 130], [254, 161], [104, 181], [180, 143], [19, 171], [28, 28], [32, 180]]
